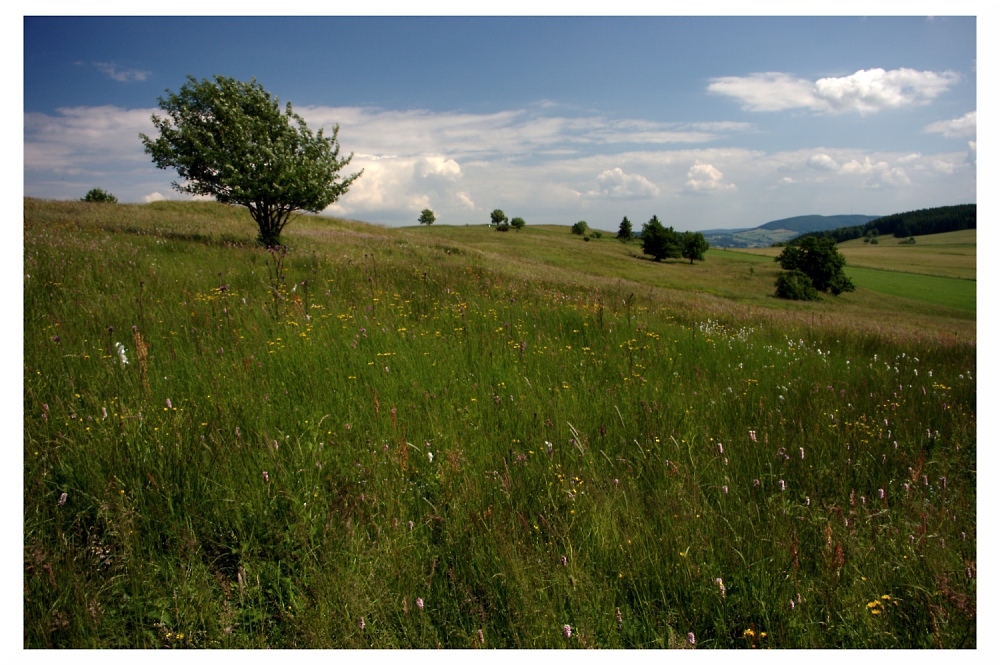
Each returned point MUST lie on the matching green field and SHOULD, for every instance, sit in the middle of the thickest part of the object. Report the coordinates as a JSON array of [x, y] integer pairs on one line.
[[449, 436]]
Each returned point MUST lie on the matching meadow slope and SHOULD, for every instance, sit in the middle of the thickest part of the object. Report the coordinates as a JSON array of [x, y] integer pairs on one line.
[[448, 436]]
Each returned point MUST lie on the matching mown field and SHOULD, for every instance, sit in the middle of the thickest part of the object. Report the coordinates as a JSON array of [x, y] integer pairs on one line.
[[453, 437]]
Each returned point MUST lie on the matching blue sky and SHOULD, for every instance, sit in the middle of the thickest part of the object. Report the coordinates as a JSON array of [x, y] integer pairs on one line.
[[706, 122]]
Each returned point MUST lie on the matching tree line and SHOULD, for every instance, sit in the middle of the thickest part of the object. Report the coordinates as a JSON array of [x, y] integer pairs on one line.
[[905, 224]]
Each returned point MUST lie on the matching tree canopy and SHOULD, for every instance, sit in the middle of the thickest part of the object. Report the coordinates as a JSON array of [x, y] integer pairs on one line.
[[427, 216], [98, 195], [499, 220], [625, 230], [819, 261], [230, 140], [693, 246], [660, 242]]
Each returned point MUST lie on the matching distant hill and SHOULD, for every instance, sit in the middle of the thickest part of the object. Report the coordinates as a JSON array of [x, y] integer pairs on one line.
[[904, 224], [782, 230], [813, 223]]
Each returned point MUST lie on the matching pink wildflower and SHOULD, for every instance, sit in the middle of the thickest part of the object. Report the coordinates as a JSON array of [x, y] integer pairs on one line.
[[567, 631], [691, 638], [420, 603]]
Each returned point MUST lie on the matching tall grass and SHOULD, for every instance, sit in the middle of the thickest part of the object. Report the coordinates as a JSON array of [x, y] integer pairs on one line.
[[221, 451]]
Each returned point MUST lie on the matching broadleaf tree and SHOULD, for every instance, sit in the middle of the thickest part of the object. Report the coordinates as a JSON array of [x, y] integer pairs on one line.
[[499, 220], [820, 261], [693, 246], [229, 139], [427, 216]]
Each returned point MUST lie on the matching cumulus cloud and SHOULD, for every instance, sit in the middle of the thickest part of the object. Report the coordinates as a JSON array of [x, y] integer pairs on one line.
[[616, 184], [876, 173], [823, 162], [549, 170], [865, 91], [123, 75], [705, 178], [955, 128], [155, 196]]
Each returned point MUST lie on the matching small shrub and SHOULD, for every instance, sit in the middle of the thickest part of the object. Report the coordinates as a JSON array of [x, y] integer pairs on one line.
[[98, 195], [580, 228], [596, 235], [795, 285]]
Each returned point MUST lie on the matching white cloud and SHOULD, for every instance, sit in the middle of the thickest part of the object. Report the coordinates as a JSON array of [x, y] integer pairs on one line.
[[548, 170], [705, 178], [876, 174], [616, 184], [865, 91], [122, 75], [822, 162], [955, 128], [155, 196]]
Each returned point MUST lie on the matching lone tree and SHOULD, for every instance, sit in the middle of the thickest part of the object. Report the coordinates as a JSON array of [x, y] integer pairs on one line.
[[517, 223], [693, 246], [660, 242], [815, 260], [579, 229], [229, 139], [499, 220], [427, 216], [625, 230], [98, 195]]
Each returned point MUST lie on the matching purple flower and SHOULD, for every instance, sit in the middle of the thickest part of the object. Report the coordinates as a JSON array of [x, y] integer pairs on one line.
[[690, 638], [567, 631], [266, 479], [64, 496], [420, 603]]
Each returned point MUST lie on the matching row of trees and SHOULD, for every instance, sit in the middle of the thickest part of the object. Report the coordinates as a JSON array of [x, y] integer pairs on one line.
[[906, 224]]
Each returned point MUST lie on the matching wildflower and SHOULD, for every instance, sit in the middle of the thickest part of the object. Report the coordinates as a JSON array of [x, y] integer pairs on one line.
[[881, 493], [64, 496], [782, 483], [722, 587], [791, 604], [169, 405], [802, 453], [563, 560], [567, 631], [266, 478], [411, 525], [104, 413], [691, 638], [725, 489], [618, 615], [420, 603], [430, 456], [756, 482], [720, 449], [753, 437], [807, 502], [361, 623], [120, 348], [482, 638], [275, 443]]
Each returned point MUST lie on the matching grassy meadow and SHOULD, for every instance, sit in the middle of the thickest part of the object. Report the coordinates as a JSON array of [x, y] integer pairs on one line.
[[452, 437]]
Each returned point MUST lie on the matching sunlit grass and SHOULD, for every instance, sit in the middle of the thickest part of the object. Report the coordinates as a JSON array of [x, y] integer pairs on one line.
[[292, 459]]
